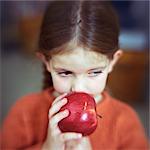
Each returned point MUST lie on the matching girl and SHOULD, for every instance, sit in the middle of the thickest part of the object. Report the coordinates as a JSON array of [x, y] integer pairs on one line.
[[79, 47]]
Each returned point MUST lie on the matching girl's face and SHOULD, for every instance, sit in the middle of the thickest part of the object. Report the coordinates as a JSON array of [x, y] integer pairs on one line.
[[80, 71]]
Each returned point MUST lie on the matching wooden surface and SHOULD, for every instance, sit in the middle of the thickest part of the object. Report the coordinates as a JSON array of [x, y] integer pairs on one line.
[[128, 79], [29, 28]]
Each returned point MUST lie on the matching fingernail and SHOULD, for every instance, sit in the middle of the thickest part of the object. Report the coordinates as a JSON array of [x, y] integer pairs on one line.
[[66, 111], [64, 100]]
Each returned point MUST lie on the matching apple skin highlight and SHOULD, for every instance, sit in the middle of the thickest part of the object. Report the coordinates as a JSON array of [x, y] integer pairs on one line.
[[82, 116]]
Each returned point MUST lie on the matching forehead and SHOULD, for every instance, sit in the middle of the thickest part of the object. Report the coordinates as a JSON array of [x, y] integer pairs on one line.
[[80, 58]]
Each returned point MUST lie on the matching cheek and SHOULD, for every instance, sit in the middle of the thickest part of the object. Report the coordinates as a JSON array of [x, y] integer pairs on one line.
[[61, 85], [97, 85]]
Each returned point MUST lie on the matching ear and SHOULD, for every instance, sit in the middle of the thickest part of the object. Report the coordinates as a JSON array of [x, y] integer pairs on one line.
[[115, 59], [43, 59]]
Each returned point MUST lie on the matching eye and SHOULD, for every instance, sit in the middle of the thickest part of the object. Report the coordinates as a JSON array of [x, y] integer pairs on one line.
[[65, 73], [95, 73]]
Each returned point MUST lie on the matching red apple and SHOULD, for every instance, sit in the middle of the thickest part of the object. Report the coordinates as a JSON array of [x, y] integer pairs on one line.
[[82, 116]]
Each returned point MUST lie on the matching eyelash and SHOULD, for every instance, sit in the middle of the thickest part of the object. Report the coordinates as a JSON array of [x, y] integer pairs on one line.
[[67, 73], [95, 73]]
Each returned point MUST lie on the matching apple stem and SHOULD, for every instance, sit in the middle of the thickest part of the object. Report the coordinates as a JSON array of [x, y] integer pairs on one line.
[[99, 116]]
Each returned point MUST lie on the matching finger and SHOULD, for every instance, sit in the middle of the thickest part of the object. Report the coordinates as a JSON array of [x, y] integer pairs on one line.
[[59, 98], [70, 136], [53, 131], [59, 116], [56, 107]]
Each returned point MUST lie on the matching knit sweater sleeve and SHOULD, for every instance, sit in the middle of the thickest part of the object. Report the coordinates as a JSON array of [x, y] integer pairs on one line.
[[21, 129], [130, 131], [13, 129]]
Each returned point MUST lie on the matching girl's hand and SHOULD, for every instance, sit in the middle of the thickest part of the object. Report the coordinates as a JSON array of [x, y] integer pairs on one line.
[[56, 140], [79, 144]]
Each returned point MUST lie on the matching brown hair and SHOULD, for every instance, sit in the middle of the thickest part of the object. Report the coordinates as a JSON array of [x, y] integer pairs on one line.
[[92, 25]]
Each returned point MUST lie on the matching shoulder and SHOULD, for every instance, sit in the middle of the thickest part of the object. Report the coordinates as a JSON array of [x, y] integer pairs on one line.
[[33, 98], [124, 111], [32, 102], [121, 112], [116, 106], [128, 125], [27, 119], [126, 121], [121, 107], [127, 117]]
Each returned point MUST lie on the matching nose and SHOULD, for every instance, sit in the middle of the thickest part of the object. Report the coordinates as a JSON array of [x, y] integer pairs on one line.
[[78, 85]]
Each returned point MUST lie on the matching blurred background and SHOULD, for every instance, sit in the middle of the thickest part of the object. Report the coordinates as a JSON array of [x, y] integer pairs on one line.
[[21, 71]]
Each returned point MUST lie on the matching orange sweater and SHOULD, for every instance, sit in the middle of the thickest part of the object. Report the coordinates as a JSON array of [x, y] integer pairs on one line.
[[25, 127]]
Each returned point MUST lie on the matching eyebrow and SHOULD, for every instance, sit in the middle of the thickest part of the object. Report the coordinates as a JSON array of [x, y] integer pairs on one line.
[[93, 69], [98, 68]]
